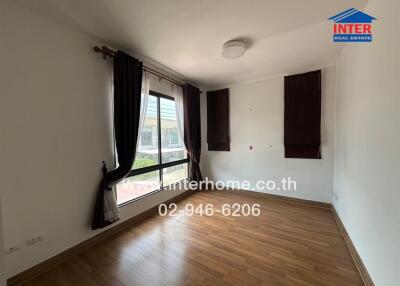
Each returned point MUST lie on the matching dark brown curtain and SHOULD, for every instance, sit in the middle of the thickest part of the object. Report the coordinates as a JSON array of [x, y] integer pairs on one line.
[[127, 96], [303, 115], [192, 129], [218, 128]]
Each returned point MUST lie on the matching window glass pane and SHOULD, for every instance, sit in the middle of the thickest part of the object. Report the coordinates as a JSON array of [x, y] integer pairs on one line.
[[137, 186], [175, 174], [147, 154], [172, 146]]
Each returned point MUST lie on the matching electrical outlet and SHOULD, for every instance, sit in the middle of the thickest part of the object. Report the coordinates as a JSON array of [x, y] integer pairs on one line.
[[35, 239]]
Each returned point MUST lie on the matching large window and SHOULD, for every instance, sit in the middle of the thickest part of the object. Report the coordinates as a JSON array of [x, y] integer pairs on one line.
[[161, 158]]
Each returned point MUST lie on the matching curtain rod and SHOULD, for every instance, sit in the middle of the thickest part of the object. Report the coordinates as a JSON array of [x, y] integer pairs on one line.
[[107, 52]]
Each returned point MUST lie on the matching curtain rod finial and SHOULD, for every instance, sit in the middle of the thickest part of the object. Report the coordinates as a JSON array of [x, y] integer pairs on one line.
[[105, 51]]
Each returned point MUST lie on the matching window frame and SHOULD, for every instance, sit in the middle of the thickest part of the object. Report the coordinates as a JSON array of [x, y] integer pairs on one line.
[[160, 165]]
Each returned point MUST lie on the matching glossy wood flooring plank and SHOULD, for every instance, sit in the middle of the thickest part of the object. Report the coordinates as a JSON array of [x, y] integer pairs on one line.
[[288, 244]]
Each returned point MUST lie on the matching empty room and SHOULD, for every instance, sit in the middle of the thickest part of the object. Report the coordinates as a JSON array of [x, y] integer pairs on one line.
[[200, 142]]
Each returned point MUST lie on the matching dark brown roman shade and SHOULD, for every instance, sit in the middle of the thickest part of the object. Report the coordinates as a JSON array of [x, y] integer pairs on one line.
[[303, 115], [218, 129]]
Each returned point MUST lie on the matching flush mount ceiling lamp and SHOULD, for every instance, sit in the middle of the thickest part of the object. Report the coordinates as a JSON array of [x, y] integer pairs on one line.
[[233, 49]]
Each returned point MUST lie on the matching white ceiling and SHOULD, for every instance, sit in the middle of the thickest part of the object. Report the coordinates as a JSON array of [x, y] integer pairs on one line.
[[285, 36]]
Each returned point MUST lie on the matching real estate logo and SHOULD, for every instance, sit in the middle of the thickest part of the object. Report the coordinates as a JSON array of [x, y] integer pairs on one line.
[[352, 26]]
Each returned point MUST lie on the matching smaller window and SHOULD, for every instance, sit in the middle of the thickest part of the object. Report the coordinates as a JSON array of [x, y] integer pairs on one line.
[[147, 138], [173, 137]]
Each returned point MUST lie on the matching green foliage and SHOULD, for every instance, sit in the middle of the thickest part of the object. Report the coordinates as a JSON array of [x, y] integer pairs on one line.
[[142, 161]]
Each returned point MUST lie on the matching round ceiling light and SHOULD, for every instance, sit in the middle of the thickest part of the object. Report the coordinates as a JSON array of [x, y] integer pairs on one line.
[[233, 49]]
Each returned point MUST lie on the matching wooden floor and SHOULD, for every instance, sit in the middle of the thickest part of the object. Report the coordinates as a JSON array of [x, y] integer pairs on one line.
[[288, 244]]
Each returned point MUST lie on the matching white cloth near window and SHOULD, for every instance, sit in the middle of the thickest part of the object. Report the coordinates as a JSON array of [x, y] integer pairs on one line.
[[143, 105], [178, 96], [111, 211]]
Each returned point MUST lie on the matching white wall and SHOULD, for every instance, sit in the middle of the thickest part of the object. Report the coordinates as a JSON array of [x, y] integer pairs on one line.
[[55, 125], [256, 118], [367, 144], [2, 276]]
